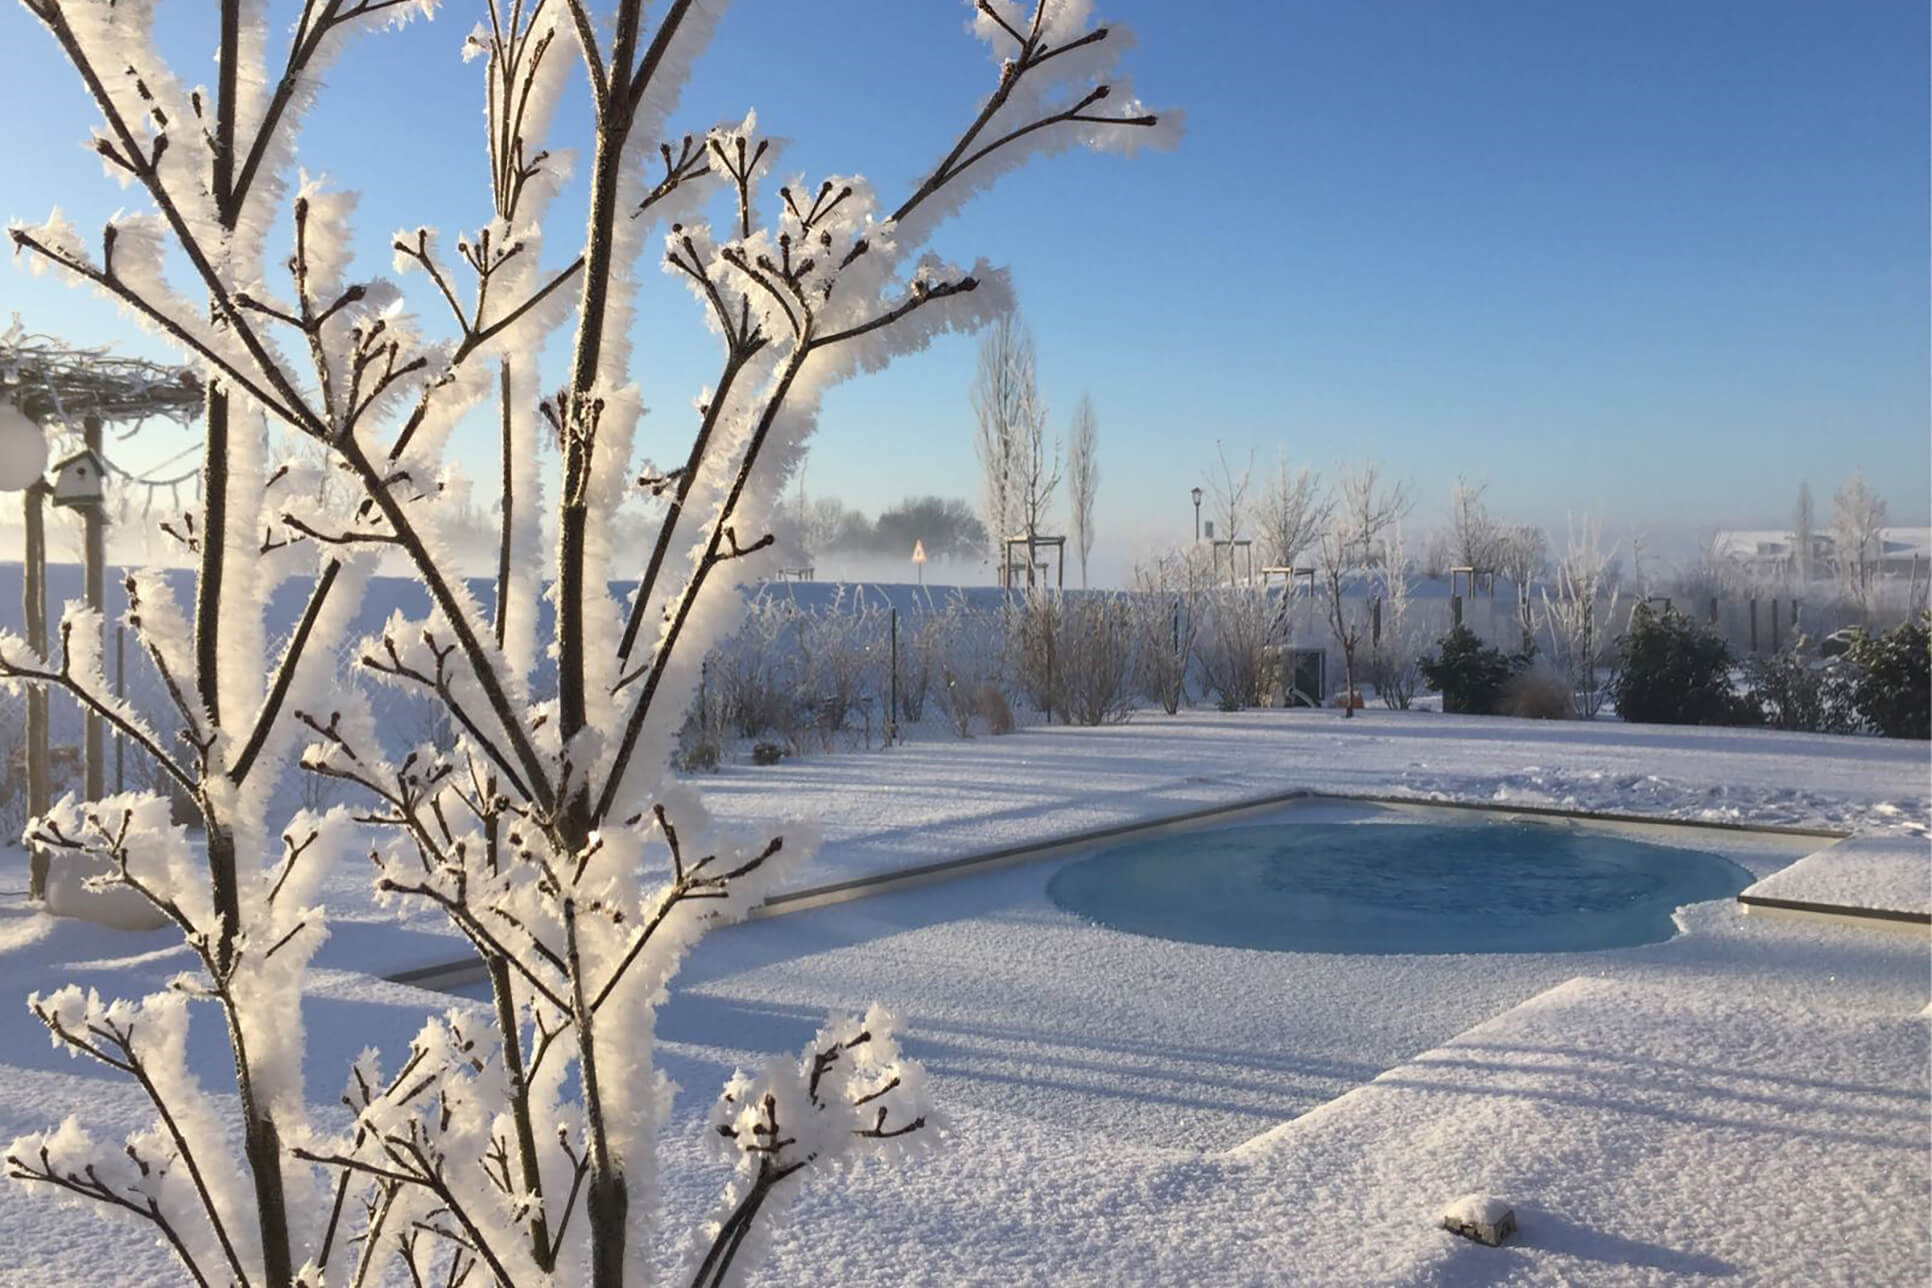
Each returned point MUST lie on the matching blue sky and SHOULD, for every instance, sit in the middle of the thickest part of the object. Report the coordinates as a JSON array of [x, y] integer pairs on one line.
[[1656, 261]]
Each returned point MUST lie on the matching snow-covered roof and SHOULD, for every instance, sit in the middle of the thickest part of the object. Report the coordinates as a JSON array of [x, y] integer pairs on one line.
[[1745, 543]]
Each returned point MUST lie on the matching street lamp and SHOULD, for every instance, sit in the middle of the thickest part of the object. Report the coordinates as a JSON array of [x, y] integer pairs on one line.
[[1196, 494]]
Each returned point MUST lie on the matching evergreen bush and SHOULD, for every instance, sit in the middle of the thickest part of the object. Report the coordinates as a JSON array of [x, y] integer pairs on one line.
[[1672, 670], [1893, 688], [1468, 673]]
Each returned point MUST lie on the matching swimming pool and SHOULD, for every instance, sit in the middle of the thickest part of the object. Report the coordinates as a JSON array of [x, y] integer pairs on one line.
[[1506, 887]]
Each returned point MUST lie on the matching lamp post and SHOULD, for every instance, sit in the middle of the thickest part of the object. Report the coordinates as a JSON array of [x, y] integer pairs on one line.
[[1196, 494]]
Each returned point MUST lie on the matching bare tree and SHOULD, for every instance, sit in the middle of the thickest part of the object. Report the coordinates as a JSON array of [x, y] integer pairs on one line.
[[1397, 650], [1522, 550], [1293, 511], [1437, 554], [1369, 506], [1019, 468], [1580, 615], [1472, 533], [518, 1149], [1004, 402], [1228, 493], [1352, 543], [1857, 529], [1083, 479]]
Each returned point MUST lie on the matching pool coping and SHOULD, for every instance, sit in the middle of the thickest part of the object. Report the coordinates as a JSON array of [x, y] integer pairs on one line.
[[442, 976], [1899, 918]]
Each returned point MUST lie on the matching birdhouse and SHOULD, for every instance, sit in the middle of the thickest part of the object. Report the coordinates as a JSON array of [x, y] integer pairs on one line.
[[79, 480]]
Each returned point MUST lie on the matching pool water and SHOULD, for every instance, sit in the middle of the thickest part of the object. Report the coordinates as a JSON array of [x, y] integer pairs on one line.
[[1514, 887]]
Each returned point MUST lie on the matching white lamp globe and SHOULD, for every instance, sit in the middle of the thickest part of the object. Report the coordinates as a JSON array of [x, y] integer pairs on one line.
[[23, 449]]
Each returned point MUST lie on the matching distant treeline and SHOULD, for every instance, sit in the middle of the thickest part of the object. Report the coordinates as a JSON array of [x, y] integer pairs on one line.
[[946, 526]]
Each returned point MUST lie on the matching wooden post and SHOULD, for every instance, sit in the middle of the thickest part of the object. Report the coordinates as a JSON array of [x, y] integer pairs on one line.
[[1713, 610], [1455, 610], [1754, 623], [892, 695], [1375, 623], [94, 561], [1774, 623], [34, 611], [120, 691]]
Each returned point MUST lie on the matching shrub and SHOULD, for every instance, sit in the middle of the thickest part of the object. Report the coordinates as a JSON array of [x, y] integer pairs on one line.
[[1893, 688], [1237, 643], [1791, 689], [918, 652], [767, 753], [969, 658], [1096, 657], [1395, 667], [1164, 606], [1034, 622], [1537, 692], [1672, 670], [1467, 672], [1164, 635], [749, 670], [964, 701], [839, 651]]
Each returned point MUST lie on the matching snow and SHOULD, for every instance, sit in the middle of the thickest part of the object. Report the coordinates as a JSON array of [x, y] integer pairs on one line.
[[925, 802], [1124, 1109], [1884, 873], [1110, 1098]]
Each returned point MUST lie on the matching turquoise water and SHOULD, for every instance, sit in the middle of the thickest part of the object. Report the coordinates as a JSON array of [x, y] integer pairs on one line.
[[1396, 888]]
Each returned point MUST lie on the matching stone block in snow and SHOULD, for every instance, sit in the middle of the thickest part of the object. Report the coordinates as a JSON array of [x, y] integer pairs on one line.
[[1482, 1217]]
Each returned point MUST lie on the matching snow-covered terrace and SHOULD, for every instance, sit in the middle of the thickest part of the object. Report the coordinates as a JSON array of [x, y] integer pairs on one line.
[[1746, 1101]]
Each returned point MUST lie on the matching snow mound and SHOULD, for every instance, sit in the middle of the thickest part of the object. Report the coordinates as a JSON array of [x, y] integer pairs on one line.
[[116, 907]]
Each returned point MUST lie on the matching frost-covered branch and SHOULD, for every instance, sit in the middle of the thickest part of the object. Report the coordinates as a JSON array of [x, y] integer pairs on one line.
[[18, 663], [106, 1034], [850, 1091], [543, 831]]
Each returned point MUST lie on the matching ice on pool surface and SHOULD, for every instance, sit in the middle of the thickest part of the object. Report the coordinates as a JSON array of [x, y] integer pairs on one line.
[[1512, 887]]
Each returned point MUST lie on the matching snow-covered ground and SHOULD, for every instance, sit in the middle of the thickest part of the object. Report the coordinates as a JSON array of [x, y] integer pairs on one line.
[[1881, 873], [1748, 1099], [927, 802]]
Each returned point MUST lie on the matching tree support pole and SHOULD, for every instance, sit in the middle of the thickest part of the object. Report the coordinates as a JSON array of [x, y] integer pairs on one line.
[[34, 612], [94, 568]]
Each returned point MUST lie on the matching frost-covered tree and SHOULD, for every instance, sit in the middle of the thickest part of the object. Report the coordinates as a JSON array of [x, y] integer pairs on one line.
[[1353, 543], [1018, 470], [1397, 655], [517, 1150], [1522, 551], [1083, 479], [1228, 492], [1368, 507], [1581, 615], [1293, 511], [1857, 529], [1473, 535]]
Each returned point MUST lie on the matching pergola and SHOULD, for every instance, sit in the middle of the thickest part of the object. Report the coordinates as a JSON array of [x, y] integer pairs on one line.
[[72, 394], [1030, 543]]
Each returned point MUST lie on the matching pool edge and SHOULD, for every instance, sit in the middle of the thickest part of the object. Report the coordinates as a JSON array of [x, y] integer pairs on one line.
[[443, 976]]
